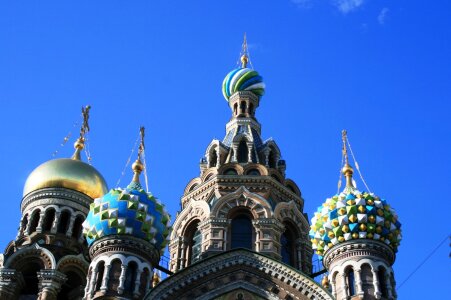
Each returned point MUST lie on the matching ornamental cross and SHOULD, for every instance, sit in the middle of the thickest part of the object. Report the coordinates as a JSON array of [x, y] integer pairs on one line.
[[141, 145], [85, 126]]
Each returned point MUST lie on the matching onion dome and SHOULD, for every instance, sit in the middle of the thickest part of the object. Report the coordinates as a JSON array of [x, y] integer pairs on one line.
[[70, 173], [243, 79], [353, 215], [130, 211]]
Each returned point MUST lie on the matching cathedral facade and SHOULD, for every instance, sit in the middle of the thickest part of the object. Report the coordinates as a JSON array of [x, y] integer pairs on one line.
[[241, 234]]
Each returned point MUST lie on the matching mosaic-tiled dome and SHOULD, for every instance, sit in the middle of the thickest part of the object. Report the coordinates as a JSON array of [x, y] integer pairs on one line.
[[243, 79], [129, 211], [354, 215]]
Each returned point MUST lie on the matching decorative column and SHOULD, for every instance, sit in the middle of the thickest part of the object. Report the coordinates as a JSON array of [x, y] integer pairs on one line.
[[91, 286], [71, 226], [41, 220], [50, 282], [344, 286], [388, 286], [358, 283], [377, 290], [55, 222], [137, 283], [249, 151], [218, 158], [106, 277], [235, 152], [120, 288]]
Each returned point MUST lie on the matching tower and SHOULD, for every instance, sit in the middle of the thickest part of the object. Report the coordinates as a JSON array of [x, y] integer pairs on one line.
[[126, 232], [242, 198], [357, 235], [48, 257]]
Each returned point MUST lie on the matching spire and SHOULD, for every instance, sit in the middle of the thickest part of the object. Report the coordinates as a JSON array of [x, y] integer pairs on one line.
[[244, 53], [138, 166], [347, 169], [84, 129]]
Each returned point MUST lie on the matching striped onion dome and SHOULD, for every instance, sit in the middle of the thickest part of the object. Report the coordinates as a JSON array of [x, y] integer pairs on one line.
[[243, 79]]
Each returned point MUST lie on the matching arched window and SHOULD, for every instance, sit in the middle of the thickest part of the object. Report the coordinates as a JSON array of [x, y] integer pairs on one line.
[[100, 272], [213, 159], [48, 219], [194, 186], [382, 281], [34, 220], [230, 172], [145, 278], [130, 277], [72, 288], [78, 226], [366, 277], [24, 224], [235, 109], [241, 231], [242, 152], [253, 172], [288, 245], [350, 281], [115, 274], [193, 237], [63, 222], [29, 273], [272, 159], [251, 108], [242, 107]]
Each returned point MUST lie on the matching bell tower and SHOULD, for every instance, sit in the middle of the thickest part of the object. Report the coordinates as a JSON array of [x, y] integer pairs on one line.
[[242, 198]]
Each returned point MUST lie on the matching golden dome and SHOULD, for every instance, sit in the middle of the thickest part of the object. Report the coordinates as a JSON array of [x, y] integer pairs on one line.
[[67, 173]]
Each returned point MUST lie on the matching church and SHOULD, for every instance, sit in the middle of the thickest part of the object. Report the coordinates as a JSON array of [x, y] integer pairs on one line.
[[241, 234]]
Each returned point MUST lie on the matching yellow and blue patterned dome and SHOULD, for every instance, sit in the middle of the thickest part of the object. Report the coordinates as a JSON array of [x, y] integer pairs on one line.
[[354, 215], [243, 79], [129, 211]]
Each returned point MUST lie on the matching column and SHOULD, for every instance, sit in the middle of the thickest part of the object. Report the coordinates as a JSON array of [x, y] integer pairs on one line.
[[388, 286], [333, 286], [20, 230], [71, 226], [50, 282], [249, 152], [55, 222], [149, 280], [92, 284], [218, 158], [120, 288], [358, 282], [377, 290], [106, 277], [137, 283], [235, 150], [344, 286], [41, 220]]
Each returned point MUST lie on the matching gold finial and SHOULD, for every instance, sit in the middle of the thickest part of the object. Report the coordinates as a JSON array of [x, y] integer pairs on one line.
[[325, 282], [84, 129], [138, 166], [245, 53], [155, 279], [347, 169]]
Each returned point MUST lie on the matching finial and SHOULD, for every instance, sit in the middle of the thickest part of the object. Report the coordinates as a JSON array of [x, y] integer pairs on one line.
[[347, 169], [325, 282], [155, 279], [245, 53], [80, 142], [138, 166]]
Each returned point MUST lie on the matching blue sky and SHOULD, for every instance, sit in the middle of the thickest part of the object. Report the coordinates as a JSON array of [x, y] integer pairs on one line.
[[380, 69]]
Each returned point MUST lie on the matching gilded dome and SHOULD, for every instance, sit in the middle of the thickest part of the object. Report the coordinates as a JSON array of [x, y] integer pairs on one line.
[[67, 173]]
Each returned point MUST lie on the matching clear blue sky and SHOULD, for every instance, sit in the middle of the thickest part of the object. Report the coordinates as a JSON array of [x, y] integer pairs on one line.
[[381, 69]]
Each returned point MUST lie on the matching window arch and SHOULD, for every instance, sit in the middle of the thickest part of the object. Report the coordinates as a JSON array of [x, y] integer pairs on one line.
[[230, 171], [213, 159], [253, 172], [34, 220], [242, 231], [251, 108], [29, 271], [242, 152], [193, 237], [78, 227], [235, 109], [288, 245], [382, 281], [24, 224], [130, 277], [48, 219], [350, 281], [63, 222], [115, 273], [242, 107], [100, 272]]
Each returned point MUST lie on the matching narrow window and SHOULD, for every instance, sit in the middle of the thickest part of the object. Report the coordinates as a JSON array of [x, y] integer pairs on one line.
[[241, 232], [288, 247], [351, 282], [78, 225], [251, 108], [382, 281], [100, 272], [48, 219], [193, 237], [35, 220], [242, 107], [242, 152], [213, 159], [130, 277], [63, 223]]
